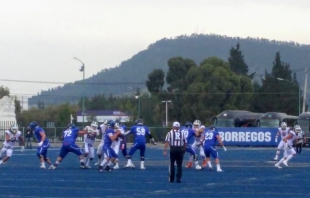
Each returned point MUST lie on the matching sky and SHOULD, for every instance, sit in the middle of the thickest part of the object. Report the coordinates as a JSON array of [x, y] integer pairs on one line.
[[40, 38]]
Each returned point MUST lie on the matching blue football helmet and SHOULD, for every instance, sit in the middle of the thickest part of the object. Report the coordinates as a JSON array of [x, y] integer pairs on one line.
[[70, 125], [188, 124], [212, 128], [33, 124], [139, 122], [112, 123]]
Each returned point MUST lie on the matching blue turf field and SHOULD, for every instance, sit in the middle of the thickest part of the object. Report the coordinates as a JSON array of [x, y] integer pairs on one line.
[[248, 172]]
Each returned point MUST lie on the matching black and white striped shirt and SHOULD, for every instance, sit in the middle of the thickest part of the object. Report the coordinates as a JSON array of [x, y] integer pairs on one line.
[[176, 138]]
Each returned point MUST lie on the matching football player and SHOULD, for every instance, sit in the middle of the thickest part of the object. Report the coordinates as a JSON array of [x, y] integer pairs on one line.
[[102, 128], [209, 140], [289, 150], [190, 133], [282, 131], [89, 140], [110, 155], [11, 136], [68, 145], [43, 143], [139, 131]]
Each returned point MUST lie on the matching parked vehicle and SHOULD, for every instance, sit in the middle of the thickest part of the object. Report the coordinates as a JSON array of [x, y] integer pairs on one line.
[[236, 118], [274, 119]]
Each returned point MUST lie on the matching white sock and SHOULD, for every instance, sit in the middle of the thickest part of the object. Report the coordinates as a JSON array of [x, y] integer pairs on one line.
[[281, 160], [196, 162], [289, 157], [218, 166], [42, 163], [209, 164], [129, 161], [103, 162], [142, 163], [1, 161]]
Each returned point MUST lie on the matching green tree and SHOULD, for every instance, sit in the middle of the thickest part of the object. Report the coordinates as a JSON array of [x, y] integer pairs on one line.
[[155, 81], [276, 94], [4, 91], [213, 87], [237, 62]]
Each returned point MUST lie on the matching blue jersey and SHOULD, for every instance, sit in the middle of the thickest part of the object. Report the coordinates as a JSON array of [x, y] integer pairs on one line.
[[107, 141], [70, 135], [210, 138], [140, 132], [37, 132], [189, 133]]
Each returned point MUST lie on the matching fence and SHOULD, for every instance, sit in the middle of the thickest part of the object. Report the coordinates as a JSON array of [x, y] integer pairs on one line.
[[238, 136], [54, 134]]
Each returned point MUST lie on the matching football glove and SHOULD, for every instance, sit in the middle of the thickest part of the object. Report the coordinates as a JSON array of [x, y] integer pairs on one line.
[[40, 143], [224, 148]]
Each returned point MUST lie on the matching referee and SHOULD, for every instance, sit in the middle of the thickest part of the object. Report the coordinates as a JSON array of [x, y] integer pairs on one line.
[[177, 142]]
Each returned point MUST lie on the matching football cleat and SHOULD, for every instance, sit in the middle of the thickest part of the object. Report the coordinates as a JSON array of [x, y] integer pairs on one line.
[[107, 168], [100, 168], [116, 166], [198, 167], [285, 163], [83, 167], [219, 170], [189, 165], [87, 167], [43, 166], [142, 167], [277, 165], [52, 167], [130, 165], [276, 158]]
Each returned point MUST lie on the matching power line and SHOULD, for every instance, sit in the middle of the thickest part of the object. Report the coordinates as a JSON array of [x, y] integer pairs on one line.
[[49, 82]]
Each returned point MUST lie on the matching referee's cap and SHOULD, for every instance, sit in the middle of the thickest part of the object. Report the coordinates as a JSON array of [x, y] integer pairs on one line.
[[176, 124]]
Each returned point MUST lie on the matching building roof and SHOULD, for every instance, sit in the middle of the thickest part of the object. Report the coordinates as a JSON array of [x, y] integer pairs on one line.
[[103, 113]]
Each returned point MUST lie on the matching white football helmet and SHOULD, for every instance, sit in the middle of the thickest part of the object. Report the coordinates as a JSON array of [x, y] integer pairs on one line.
[[283, 125], [94, 125], [14, 128], [196, 124], [297, 128]]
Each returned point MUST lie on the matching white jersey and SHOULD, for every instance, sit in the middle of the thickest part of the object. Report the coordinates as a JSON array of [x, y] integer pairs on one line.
[[90, 137], [300, 137], [103, 128], [119, 139], [284, 132], [197, 139], [13, 138], [291, 141]]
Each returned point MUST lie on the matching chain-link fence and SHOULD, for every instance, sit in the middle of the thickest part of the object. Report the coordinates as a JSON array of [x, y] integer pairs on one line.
[[54, 134]]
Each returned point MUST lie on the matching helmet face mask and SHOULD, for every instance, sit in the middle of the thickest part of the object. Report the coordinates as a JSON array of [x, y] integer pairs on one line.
[[297, 128], [33, 124], [94, 125], [14, 128], [283, 125], [196, 124]]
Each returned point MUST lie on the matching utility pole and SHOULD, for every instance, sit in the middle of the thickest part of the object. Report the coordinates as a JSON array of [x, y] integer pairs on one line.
[[305, 91], [82, 69], [166, 101]]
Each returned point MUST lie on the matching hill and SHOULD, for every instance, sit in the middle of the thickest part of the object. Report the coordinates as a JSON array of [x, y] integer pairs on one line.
[[258, 53]]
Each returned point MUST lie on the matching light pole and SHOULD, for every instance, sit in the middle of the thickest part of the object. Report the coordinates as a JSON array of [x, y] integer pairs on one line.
[[281, 79], [82, 69], [166, 101], [138, 97]]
